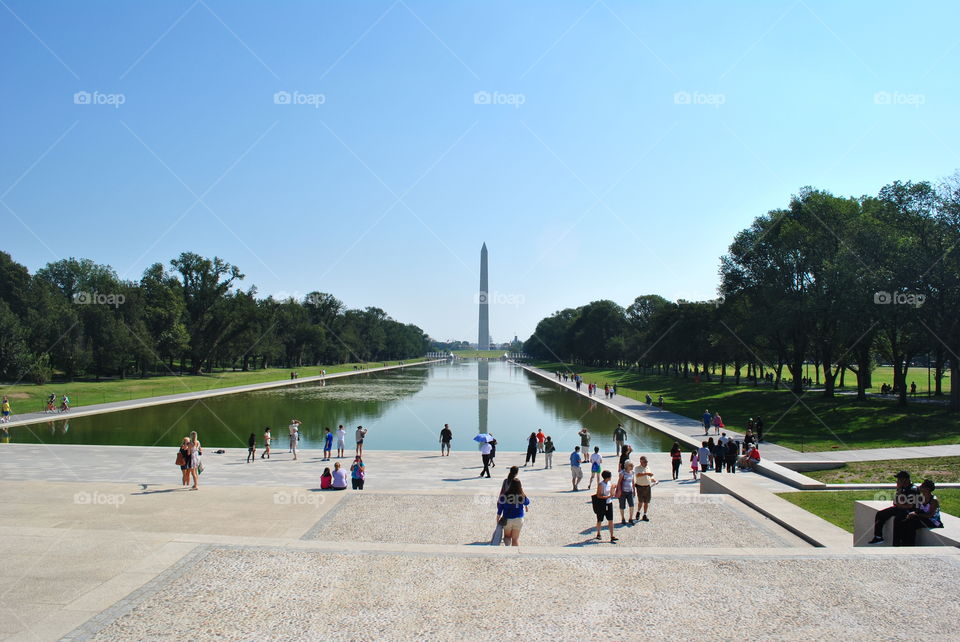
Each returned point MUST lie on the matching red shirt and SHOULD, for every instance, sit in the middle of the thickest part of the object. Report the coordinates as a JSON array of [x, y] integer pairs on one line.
[[540, 437]]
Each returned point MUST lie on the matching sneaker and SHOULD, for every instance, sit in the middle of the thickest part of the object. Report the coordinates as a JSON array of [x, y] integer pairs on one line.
[[614, 539], [644, 519], [875, 540]]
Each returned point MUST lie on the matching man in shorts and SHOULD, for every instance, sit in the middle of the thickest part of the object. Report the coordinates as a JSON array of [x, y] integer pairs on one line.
[[643, 481], [576, 470]]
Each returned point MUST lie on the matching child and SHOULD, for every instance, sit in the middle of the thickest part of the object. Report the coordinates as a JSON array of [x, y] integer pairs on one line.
[[596, 460], [251, 448], [326, 479], [327, 445], [694, 463]]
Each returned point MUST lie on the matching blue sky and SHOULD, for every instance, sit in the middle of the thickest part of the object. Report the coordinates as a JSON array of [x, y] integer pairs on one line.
[[613, 149]]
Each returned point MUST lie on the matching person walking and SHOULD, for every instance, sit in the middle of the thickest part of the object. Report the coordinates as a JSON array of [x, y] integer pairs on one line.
[[694, 463], [327, 445], [341, 440], [625, 492], [446, 435], [619, 437], [511, 505], [531, 449], [294, 437], [603, 505], [576, 467], [361, 434], [196, 467], [548, 449], [251, 448], [358, 473], [733, 450], [183, 456], [703, 456], [717, 423], [758, 426], [493, 451], [6, 410], [266, 443], [706, 418], [596, 461], [540, 439], [625, 453], [676, 457], [339, 481], [644, 482], [504, 488], [485, 448]]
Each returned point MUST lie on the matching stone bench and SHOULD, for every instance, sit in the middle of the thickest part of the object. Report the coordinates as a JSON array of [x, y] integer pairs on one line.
[[788, 476], [863, 517]]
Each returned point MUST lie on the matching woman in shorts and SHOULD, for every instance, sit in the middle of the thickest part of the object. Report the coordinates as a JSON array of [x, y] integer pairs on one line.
[[511, 505], [185, 456], [603, 504]]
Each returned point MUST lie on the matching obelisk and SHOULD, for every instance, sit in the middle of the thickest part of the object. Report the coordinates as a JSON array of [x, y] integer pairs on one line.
[[483, 340]]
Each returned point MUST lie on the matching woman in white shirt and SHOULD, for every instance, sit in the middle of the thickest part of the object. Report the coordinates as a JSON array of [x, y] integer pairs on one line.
[[339, 477]]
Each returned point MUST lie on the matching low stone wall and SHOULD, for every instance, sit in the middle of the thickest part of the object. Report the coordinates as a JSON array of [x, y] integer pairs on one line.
[[863, 521]]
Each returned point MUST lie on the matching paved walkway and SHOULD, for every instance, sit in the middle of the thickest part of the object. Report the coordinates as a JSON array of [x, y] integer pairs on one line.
[[691, 431], [100, 408]]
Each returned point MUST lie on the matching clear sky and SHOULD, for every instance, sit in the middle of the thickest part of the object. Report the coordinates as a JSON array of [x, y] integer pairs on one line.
[[614, 149]]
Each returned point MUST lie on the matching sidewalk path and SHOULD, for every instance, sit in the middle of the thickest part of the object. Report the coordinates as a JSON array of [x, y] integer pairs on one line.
[[100, 408], [691, 431]]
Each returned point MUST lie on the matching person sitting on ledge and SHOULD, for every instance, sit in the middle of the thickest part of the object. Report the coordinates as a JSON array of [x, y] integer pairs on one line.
[[750, 460], [925, 515], [904, 501]]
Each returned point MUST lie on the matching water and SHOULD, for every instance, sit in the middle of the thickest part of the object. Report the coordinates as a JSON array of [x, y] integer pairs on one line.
[[402, 409]]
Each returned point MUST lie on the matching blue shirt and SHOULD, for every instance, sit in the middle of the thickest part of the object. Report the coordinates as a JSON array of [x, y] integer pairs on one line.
[[511, 511], [575, 458], [328, 440]]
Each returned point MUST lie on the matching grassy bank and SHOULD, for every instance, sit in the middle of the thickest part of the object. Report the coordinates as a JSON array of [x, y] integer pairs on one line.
[[836, 506], [25, 398], [812, 424], [939, 469]]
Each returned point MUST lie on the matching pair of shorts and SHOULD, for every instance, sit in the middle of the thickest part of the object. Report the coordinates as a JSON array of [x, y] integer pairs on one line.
[[340, 444], [595, 468], [626, 500], [607, 513], [643, 494], [576, 472], [514, 524]]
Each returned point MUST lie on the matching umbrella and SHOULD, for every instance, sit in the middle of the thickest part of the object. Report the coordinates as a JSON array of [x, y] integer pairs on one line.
[[483, 438]]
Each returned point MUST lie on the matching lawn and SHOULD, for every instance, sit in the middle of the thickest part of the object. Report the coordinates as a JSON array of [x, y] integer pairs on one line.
[[26, 398], [939, 469], [836, 506], [811, 424]]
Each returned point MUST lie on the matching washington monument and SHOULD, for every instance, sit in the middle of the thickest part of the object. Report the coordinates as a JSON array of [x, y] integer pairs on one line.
[[483, 340]]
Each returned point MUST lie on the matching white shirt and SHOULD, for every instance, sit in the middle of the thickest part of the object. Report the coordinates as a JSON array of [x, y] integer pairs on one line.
[[642, 479], [724, 440], [341, 435], [596, 458], [485, 448], [605, 490], [293, 429]]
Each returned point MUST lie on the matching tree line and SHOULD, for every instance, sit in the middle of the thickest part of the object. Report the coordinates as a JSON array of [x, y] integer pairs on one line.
[[78, 318], [842, 283]]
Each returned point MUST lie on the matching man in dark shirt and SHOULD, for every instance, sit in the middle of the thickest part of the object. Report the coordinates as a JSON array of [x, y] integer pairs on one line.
[[619, 437], [445, 436], [904, 501]]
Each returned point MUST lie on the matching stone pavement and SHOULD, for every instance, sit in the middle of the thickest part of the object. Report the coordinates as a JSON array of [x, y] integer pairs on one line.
[[119, 550], [100, 408]]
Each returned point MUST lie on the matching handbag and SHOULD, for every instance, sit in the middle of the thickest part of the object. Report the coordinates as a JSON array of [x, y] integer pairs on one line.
[[599, 505], [199, 467], [180, 460]]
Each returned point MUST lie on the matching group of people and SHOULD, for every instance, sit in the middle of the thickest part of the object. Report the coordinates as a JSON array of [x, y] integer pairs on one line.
[[294, 431], [188, 458], [725, 453], [52, 403], [913, 508], [337, 478], [538, 442]]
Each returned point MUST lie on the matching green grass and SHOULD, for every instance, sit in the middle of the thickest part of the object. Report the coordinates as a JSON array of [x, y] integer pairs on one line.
[[939, 469], [473, 354], [813, 424], [836, 506], [26, 398]]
